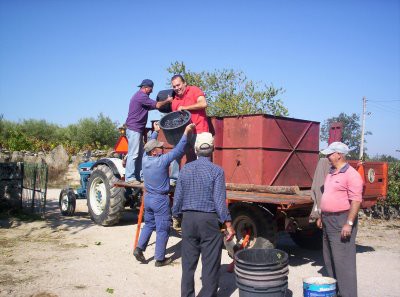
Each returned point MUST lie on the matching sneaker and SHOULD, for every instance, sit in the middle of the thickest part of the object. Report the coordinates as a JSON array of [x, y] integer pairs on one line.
[[164, 262], [138, 253]]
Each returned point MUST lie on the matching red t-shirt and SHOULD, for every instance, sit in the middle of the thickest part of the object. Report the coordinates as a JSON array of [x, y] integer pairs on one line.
[[199, 117]]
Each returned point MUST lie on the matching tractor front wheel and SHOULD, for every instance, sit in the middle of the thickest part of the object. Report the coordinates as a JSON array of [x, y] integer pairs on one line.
[[105, 202], [67, 202]]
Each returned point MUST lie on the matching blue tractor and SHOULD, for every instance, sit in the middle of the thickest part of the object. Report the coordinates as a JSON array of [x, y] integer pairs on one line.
[[67, 199], [106, 200]]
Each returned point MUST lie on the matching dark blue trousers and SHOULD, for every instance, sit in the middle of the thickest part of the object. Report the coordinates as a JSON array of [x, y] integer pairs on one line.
[[200, 235], [157, 217]]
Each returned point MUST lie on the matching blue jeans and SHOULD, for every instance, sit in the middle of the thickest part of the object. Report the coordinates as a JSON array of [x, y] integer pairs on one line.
[[133, 170], [157, 217]]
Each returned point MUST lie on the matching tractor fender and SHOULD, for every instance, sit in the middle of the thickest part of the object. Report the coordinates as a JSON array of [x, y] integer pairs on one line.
[[114, 164]]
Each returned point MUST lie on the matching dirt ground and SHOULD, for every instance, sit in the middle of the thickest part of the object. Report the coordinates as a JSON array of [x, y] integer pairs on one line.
[[70, 256]]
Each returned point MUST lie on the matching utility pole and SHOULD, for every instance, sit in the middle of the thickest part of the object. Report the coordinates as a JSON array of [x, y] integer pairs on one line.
[[364, 113]]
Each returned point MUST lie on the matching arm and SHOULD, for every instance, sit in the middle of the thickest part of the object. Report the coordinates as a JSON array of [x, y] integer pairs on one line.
[[354, 190], [156, 128], [178, 196], [162, 103], [179, 149], [200, 104], [354, 208], [219, 195]]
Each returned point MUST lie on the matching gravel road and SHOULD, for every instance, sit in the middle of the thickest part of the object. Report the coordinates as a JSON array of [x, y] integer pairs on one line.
[[70, 256]]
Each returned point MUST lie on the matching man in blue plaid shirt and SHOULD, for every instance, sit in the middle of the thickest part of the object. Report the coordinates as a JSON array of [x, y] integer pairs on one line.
[[200, 196]]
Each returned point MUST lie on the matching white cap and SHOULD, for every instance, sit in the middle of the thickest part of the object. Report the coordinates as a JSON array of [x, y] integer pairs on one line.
[[336, 147], [204, 140]]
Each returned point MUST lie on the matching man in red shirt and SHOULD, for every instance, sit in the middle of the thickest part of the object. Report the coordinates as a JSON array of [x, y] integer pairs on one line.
[[189, 98], [340, 204]]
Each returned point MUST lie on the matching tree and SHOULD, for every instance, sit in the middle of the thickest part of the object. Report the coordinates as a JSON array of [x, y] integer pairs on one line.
[[351, 133], [384, 158], [229, 92]]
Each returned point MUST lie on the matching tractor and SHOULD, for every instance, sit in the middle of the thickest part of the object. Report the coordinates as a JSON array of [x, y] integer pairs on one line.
[[98, 180]]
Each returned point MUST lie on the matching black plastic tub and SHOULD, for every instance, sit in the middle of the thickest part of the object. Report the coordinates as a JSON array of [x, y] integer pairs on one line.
[[174, 124], [261, 272], [162, 96]]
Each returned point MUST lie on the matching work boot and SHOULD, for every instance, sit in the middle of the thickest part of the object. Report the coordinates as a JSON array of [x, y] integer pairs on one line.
[[138, 253], [164, 262]]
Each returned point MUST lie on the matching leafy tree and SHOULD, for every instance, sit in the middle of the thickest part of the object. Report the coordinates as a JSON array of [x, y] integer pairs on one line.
[[93, 133], [351, 133], [394, 184], [229, 92]]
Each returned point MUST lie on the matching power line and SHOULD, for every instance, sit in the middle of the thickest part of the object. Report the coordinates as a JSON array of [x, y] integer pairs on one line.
[[386, 108], [382, 100]]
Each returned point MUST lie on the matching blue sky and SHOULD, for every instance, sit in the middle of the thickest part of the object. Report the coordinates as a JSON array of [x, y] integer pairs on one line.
[[65, 60]]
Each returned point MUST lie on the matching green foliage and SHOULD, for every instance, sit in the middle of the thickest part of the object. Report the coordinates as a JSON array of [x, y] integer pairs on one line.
[[384, 158], [39, 135], [229, 92], [90, 133], [351, 133], [394, 184]]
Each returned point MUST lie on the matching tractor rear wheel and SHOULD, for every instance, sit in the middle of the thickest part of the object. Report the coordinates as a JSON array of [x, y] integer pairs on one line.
[[105, 202], [255, 221]]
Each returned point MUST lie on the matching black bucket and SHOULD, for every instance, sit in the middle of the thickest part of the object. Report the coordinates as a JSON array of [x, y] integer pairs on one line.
[[162, 96], [174, 124], [261, 272]]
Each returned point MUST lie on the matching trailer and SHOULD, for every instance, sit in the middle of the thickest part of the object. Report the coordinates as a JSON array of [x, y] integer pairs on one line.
[[269, 164]]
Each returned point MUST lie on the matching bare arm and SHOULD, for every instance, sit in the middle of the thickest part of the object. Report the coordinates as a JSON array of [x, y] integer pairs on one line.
[[200, 104], [353, 212], [162, 103]]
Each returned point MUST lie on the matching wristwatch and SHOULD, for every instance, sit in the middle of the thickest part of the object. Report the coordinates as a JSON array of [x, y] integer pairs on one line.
[[350, 223]]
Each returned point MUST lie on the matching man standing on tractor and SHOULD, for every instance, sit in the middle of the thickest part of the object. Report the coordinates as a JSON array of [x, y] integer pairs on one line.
[[139, 107], [189, 98], [156, 182]]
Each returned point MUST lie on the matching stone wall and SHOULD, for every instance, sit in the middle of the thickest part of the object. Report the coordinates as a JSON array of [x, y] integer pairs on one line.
[[63, 169]]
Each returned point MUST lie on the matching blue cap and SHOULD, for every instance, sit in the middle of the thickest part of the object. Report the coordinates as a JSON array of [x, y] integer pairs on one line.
[[146, 83]]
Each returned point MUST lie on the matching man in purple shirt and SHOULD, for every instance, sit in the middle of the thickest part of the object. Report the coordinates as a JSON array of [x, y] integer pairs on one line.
[[139, 107]]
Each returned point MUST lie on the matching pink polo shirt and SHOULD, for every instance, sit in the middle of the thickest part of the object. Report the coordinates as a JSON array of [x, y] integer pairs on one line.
[[340, 188]]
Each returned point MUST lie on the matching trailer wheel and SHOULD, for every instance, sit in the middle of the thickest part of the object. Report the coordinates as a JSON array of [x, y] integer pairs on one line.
[[310, 239], [258, 222], [67, 202], [105, 202]]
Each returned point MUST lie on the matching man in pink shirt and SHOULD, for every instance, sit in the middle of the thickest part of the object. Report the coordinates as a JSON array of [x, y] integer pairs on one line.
[[340, 204]]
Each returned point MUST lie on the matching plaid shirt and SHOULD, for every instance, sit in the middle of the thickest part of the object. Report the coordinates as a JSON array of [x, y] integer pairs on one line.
[[201, 187]]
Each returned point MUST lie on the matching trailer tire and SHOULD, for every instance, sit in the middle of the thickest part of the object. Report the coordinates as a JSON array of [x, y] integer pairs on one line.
[[260, 223], [105, 202], [67, 202], [310, 239]]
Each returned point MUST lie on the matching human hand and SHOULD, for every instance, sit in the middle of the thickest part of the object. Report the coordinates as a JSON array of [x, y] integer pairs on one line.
[[230, 233], [156, 126], [346, 231], [189, 128], [180, 108], [319, 223]]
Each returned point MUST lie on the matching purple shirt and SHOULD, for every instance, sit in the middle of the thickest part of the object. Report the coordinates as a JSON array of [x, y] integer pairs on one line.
[[138, 111]]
